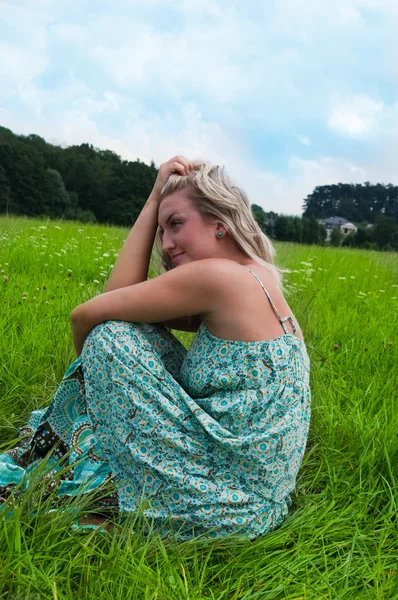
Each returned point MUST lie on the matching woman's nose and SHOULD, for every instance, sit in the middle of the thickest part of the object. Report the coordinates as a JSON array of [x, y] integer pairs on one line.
[[167, 242]]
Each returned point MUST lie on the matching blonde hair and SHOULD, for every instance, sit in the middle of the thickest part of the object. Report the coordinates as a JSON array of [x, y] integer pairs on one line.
[[215, 196]]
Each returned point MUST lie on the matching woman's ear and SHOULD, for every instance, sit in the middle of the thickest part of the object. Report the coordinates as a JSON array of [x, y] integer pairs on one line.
[[221, 230]]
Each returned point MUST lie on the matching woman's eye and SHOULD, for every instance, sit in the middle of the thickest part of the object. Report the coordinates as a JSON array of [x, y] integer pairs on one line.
[[173, 223]]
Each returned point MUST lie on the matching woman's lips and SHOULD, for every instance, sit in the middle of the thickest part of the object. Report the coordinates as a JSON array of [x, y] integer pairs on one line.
[[177, 256]]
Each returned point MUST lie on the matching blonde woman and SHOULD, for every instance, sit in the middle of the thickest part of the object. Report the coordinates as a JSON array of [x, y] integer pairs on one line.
[[210, 438]]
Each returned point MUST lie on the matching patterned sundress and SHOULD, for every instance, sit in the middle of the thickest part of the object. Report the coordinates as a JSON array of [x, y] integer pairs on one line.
[[203, 442]]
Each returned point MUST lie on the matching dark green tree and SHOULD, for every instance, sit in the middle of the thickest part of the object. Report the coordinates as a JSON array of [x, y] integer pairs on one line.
[[260, 216], [386, 232], [4, 191], [77, 182], [355, 202], [336, 236], [313, 231], [56, 201]]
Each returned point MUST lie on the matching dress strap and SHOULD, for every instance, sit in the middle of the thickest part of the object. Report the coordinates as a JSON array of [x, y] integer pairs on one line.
[[282, 320]]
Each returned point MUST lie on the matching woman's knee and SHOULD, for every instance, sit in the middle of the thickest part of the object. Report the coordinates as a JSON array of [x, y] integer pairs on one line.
[[114, 335]]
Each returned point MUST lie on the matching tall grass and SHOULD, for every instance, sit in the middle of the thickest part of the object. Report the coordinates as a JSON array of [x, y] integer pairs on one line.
[[341, 537]]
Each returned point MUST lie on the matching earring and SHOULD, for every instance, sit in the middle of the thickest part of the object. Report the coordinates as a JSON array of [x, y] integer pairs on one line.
[[219, 233]]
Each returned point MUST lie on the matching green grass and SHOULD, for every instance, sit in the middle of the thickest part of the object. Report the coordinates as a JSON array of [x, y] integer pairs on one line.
[[341, 537]]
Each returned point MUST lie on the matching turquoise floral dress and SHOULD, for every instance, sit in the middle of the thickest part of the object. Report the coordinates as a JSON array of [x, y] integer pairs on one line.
[[204, 442]]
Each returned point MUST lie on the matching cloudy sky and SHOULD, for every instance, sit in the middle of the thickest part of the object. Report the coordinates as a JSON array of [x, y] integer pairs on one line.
[[286, 94]]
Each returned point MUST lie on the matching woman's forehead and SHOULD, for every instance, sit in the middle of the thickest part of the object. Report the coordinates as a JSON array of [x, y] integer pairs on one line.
[[176, 202]]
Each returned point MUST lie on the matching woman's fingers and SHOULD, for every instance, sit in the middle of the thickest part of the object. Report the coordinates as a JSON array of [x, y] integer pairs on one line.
[[176, 166], [179, 164]]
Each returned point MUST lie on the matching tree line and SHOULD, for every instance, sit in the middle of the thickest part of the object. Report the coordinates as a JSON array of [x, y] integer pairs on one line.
[[383, 235], [356, 202], [88, 184], [78, 182]]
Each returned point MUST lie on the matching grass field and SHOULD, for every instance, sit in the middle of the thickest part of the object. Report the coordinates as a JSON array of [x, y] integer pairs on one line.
[[341, 538]]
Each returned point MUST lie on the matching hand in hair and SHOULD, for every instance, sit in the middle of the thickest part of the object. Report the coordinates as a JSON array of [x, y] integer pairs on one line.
[[179, 165]]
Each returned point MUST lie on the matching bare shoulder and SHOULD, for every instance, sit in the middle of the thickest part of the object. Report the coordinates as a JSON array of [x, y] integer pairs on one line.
[[224, 274], [208, 270]]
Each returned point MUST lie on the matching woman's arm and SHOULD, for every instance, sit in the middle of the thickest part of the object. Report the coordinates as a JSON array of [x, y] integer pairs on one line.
[[192, 289], [132, 264]]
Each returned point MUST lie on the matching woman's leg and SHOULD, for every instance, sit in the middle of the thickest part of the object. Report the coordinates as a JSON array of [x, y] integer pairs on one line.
[[64, 429], [140, 414]]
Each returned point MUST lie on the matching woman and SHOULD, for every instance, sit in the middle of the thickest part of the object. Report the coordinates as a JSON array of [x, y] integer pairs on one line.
[[211, 439]]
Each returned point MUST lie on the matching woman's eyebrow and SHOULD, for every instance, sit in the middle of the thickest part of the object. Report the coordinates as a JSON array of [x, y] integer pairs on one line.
[[171, 215]]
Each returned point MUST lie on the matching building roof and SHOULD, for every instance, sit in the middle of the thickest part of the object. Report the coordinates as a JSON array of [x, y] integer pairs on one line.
[[335, 221]]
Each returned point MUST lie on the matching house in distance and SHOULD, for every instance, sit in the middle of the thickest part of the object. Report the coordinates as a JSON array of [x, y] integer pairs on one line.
[[345, 226]]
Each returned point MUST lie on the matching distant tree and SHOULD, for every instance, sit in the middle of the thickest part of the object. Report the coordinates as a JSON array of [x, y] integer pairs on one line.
[[364, 236], [26, 174], [386, 232], [56, 200], [4, 191], [83, 182], [284, 229], [349, 240], [313, 231], [260, 216], [336, 236], [355, 202]]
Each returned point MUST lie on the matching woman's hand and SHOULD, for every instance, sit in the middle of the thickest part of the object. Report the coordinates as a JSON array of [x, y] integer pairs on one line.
[[179, 165]]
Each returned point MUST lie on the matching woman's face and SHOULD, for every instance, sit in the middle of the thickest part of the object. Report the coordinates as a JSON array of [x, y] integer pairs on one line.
[[185, 235]]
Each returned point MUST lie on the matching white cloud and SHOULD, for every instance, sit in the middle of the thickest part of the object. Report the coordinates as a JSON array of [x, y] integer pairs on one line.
[[200, 79], [18, 66], [304, 140], [356, 115]]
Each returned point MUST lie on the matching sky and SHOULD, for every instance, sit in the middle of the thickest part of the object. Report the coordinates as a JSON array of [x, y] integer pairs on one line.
[[286, 94]]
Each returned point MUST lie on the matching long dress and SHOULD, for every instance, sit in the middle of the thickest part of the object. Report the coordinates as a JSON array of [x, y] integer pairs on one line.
[[204, 442]]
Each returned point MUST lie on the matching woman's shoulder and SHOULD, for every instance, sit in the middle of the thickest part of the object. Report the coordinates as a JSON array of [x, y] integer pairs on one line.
[[217, 270]]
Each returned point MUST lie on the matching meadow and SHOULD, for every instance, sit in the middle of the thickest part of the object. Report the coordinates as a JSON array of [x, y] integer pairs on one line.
[[341, 537]]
